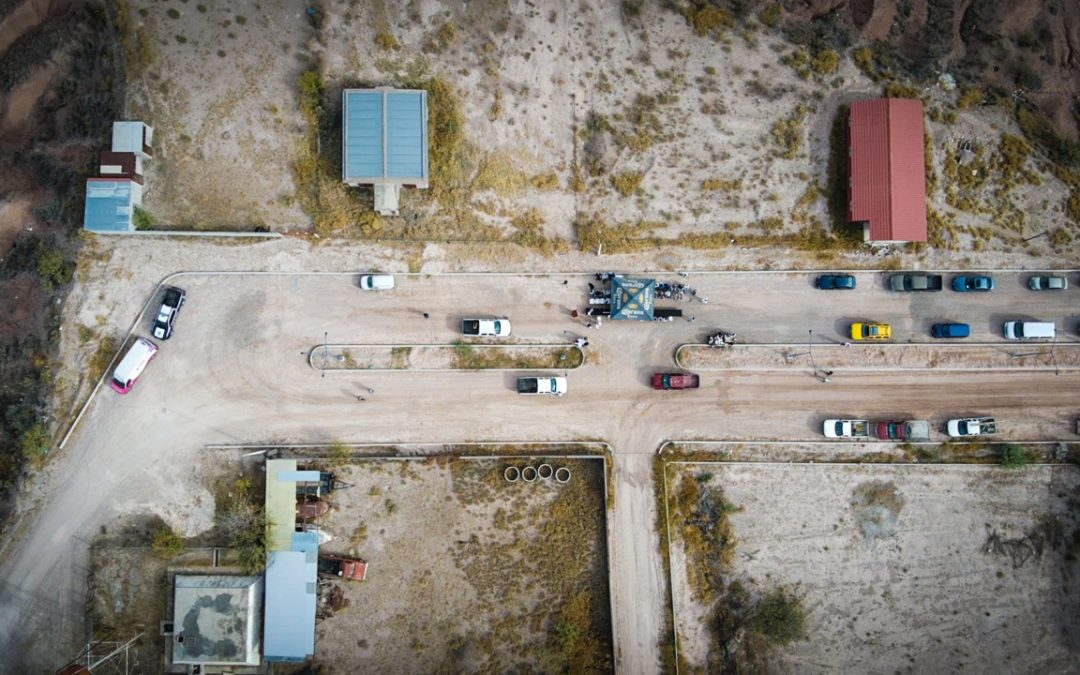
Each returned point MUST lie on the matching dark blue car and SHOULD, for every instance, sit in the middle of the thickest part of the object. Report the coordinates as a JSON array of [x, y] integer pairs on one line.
[[950, 330], [833, 282], [972, 282]]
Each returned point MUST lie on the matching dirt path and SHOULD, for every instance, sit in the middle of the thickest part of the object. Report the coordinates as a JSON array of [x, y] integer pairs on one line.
[[25, 18]]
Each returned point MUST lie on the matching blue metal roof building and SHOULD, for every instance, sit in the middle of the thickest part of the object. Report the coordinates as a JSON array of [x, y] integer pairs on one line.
[[385, 142], [291, 569], [110, 204]]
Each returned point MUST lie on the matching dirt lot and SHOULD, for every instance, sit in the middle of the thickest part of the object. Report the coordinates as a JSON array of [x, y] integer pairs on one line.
[[468, 572], [892, 566], [217, 83]]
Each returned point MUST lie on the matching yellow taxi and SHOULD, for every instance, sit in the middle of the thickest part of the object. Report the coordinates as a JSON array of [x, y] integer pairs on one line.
[[871, 331]]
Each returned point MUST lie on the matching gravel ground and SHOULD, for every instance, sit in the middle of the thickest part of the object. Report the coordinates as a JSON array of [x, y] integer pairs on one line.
[[911, 589]]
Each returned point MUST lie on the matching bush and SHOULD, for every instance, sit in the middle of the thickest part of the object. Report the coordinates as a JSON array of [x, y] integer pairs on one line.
[[826, 62], [779, 617], [143, 220], [771, 14], [970, 98], [1012, 457], [628, 182], [53, 269], [385, 41], [36, 442], [166, 543], [709, 19]]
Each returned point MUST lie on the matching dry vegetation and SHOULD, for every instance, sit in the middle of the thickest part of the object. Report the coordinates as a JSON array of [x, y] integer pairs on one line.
[[469, 571]]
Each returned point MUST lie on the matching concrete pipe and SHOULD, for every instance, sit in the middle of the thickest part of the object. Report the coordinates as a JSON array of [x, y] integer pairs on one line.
[[562, 474], [528, 474], [544, 471], [511, 474]]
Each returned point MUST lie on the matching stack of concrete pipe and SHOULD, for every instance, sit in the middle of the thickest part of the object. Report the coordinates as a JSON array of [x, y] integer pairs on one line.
[[530, 474]]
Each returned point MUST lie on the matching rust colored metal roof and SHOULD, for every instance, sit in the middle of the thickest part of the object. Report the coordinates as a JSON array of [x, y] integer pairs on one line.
[[887, 186]]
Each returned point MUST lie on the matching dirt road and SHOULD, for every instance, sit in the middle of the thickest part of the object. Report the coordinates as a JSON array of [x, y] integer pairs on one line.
[[237, 371]]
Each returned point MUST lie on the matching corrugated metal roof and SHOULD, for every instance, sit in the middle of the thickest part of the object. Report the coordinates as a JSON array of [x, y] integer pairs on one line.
[[363, 134], [289, 624], [406, 134], [280, 504], [109, 204], [888, 169], [129, 136], [385, 139]]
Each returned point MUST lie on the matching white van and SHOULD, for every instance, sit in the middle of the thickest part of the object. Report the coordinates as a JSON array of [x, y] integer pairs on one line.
[[1029, 330], [377, 282], [132, 365]]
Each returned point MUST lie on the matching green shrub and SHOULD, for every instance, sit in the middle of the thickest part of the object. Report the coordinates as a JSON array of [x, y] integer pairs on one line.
[[825, 62], [143, 219], [787, 134], [1012, 457], [709, 19], [53, 269], [166, 543], [779, 618], [36, 442]]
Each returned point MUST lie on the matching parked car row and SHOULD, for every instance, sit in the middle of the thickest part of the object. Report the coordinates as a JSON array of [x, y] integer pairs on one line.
[[905, 430], [914, 282], [1013, 330], [140, 353]]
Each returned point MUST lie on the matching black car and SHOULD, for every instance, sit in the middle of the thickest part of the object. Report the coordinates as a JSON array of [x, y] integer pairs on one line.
[[833, 282], [171, 303]]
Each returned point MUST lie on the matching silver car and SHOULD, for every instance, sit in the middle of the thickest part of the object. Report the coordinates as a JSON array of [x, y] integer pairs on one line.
[[1047, 282]]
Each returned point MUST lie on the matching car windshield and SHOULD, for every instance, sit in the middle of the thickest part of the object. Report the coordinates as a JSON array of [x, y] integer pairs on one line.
[[839, 429], [498, 327], [553, 385]]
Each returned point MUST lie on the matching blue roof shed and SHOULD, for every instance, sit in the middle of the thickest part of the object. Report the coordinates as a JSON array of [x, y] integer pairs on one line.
[[110, 204], [385, 141]]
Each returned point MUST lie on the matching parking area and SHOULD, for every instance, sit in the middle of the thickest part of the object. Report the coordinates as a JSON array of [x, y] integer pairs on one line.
[[898, 567], [236, 370]]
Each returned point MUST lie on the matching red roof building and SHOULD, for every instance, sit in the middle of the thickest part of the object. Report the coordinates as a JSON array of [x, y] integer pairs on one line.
[[887, 184]]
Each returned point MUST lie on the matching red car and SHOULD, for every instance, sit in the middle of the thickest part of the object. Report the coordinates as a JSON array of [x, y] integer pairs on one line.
[[674, 381], [340, 567]]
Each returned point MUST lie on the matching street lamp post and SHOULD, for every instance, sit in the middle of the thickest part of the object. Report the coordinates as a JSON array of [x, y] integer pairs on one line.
[[1041, 234], [324, 339], [810, 351]]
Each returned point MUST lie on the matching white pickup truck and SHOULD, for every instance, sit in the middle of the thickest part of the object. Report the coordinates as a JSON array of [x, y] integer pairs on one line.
[[485, 327], [846, 429], [541, 385], [972, 426]]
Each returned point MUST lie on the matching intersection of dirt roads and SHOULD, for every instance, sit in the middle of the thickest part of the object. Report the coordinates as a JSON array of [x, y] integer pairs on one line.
[[236, 372]]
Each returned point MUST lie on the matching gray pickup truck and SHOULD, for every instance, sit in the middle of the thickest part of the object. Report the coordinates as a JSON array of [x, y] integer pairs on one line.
[[911, 282]]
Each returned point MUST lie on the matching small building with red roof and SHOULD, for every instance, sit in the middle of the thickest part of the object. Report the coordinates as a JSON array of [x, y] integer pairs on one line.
[[887, 170]]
